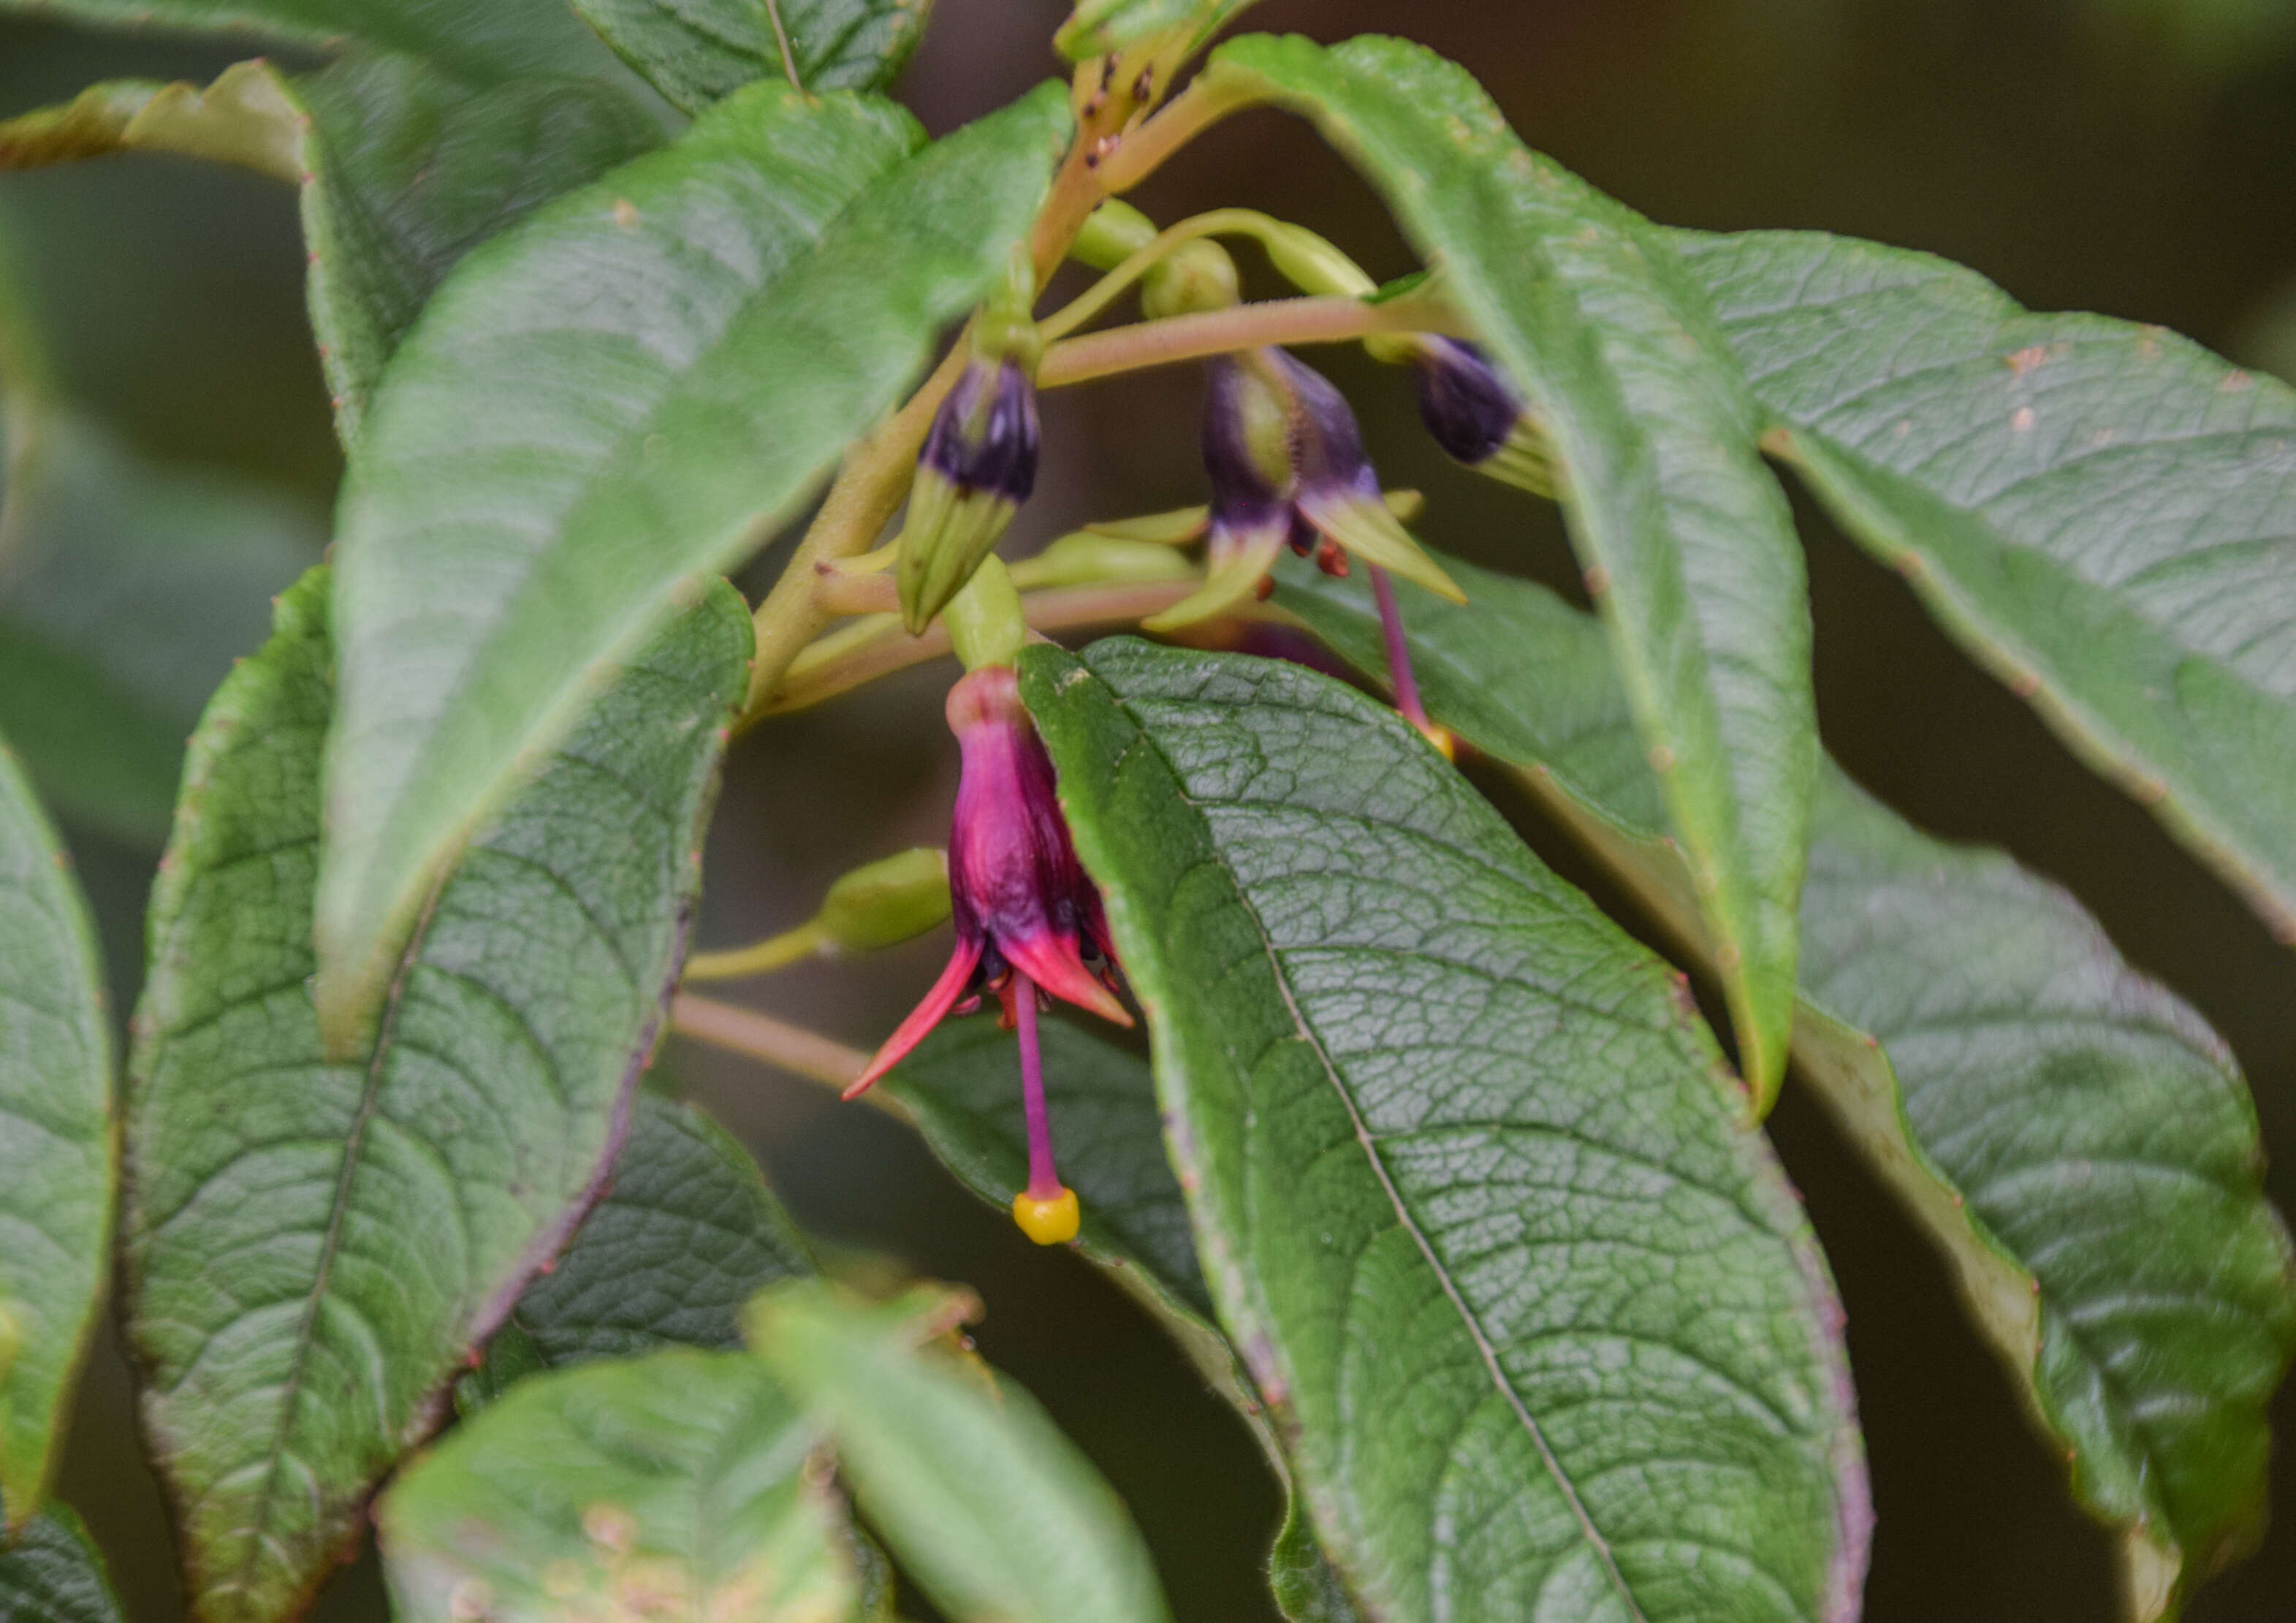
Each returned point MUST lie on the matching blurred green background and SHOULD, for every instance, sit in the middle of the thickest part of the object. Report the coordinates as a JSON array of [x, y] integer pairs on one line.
[[2135, 157]]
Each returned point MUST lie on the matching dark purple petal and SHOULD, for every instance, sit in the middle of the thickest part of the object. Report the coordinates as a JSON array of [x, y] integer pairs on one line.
[[1327, 448], [985, 438]]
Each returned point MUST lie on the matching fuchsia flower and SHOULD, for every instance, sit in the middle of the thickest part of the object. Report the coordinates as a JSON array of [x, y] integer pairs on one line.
[[1029, 922]]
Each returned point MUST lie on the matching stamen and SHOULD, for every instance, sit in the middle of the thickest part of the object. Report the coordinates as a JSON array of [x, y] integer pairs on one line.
[[1046, 1209]]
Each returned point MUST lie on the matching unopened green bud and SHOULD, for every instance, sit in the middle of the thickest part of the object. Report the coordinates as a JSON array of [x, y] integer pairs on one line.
[[886, 903], [987, 625], [1199, 275], [1112, 234], [1086, 558], [1312, 263]]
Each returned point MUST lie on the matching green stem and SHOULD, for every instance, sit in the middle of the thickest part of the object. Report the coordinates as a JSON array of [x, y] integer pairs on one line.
[[763, 958], [1219, 222]]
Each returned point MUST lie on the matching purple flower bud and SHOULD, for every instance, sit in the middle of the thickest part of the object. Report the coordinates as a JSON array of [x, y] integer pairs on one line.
[[1467, 407], [1287, 466], [1476, 416], [978, 464], [985, 437]]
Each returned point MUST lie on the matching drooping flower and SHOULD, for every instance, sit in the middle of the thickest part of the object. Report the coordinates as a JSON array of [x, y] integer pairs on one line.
[[1478, 418], [1029, 922], [1288, 467], [978, 464]]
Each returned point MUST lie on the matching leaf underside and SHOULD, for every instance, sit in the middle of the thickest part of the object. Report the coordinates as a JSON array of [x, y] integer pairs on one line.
[[58, 1144], [52, 1573], [411, 169], [670, 1485], [1543, 1326], [402, 170], [128, 588], [2074, 1138], [1685, 533], [994, 1512], [479, 39], [601, 408], [315, 1247], [2103, 513], [697, 52]]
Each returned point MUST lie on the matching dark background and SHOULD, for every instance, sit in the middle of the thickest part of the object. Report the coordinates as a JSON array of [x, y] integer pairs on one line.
[[2135, 157]]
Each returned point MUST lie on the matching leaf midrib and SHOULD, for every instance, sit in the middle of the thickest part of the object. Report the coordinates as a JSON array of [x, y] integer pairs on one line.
[[1485, 1347], [306, 1331]]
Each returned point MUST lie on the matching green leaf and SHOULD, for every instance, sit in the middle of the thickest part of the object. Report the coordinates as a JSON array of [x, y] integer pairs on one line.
[[315, 1247], [686, 1236], [402, 170], [53, 1574], [697, 52], [1540, 1319], [479, 39], [602, 407], [59, 1164], [2100, 513], [960, 1090], [997, 1514], [2075, 1139], [410, 171], [1102, 27], [1686, 535], [675, 1485], [126, 589]]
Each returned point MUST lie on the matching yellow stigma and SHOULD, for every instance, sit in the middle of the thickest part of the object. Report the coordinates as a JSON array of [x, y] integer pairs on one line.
[[1052, 1221], [1444, 740]]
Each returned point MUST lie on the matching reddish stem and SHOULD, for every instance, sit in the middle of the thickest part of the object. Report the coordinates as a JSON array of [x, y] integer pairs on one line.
[[1044, 1182], [1399, 674]]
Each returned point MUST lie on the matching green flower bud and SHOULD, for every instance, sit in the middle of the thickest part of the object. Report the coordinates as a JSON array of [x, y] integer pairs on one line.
[[886, 903], [985, 623], [1311, 264], [1199, 275]]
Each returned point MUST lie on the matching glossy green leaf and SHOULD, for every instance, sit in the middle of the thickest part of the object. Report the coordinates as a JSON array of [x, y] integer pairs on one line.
[[2101, 514], [687, 1234], [2074, 1138], [126, 590], [601, 408], [997, 1514], [671, 1485], [1103, 26], [697, 52], [52, 1573], [315, 1247], [481, 39], [961, 1089], [402, 170], [59, 1163], [1539, 1318], [1686, 535]]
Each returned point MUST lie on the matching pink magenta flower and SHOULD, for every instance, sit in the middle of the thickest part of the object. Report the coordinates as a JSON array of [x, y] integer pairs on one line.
[[1029, 922]]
